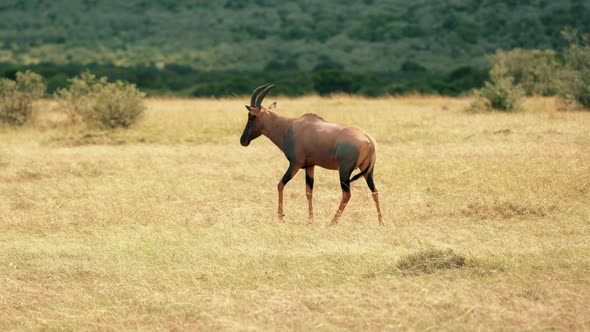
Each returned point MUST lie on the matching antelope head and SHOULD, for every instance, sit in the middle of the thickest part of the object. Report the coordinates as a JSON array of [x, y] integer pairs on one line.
[[256, 114]]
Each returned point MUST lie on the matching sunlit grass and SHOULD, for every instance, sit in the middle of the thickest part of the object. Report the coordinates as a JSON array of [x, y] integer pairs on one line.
[[171, 224]]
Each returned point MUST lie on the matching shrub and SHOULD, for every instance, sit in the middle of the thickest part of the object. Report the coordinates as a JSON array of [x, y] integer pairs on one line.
[[101, 104], [574, 85], [535, 70], [17, 97], [500, 93]]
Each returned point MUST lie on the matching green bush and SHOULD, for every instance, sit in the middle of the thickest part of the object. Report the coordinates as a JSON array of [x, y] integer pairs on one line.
[[17, 97], [101, 104], [574, 85], [500, 93], [534, 70]]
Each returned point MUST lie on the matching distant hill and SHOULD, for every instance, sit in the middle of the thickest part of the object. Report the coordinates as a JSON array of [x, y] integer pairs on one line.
[[368, 35]]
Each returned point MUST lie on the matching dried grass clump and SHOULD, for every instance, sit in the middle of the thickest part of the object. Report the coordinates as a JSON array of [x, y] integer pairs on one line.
[[503, 210], [430, 260]]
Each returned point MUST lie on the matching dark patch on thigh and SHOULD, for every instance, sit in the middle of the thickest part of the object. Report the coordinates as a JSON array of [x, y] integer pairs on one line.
[[347, 155], [289, 144], [345, 185], [345, 177]]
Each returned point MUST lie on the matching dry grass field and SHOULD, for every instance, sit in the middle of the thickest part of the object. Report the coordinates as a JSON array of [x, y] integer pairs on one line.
[[172, 225]]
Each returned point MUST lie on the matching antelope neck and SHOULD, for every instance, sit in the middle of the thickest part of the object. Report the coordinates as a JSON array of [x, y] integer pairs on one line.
[[276, 128]]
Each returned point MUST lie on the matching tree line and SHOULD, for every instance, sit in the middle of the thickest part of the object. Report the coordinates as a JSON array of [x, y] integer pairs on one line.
[[185, 81]]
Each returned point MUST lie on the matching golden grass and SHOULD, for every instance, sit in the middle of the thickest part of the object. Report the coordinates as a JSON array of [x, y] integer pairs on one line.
[[171, 224]]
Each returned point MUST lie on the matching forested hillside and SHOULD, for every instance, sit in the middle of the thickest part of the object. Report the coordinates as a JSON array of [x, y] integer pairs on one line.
[[377, 36]]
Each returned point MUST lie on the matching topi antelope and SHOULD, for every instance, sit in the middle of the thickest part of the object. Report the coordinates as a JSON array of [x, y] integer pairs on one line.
[[308, 141]]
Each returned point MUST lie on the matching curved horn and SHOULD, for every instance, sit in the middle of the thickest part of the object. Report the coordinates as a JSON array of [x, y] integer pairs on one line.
[[255, 94], [263, 94]]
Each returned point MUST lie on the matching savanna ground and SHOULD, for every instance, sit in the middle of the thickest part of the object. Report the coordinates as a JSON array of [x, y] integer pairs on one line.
[[172, 224]]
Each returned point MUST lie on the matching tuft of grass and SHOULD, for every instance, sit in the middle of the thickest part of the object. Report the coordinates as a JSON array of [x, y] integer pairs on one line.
[[502, 210], [430, 260]]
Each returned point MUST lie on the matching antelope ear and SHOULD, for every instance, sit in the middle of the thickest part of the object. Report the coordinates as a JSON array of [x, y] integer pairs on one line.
[[253, 110], [272, 106]]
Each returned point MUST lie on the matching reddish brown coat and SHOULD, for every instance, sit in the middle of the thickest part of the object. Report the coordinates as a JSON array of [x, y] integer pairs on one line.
[[308, 141]]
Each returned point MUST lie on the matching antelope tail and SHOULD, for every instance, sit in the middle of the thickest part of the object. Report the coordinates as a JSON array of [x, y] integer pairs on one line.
[[356, 177]]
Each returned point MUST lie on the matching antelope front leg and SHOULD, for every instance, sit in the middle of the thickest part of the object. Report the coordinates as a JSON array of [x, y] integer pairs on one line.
[[289, 174], [309, 192]]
